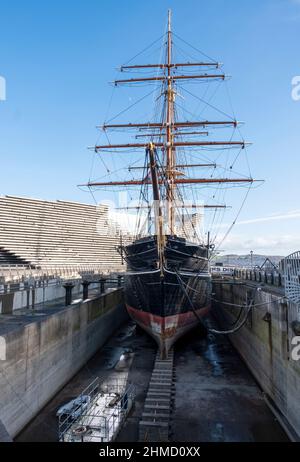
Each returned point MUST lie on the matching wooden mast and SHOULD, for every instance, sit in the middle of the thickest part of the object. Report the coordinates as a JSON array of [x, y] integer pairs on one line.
[[169, 129], [170, 153], [157, 206]]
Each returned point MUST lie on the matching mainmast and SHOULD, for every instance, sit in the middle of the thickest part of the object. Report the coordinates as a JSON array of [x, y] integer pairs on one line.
[[170, 160], [172, 136]]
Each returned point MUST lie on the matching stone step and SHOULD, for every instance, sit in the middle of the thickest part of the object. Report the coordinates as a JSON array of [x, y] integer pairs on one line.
[[168, 372], [157, 384], [154, 424], [157, 415], [154, 435], [156, 394], [163, 372], [163, 367], [162, 381], [167, 362], [158, 400], [159, 393], [158, 388], [157, 407]]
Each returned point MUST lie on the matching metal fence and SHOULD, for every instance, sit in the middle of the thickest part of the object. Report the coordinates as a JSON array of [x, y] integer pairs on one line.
[[291, 269], [270, 277], [17, 273], [274, 278]]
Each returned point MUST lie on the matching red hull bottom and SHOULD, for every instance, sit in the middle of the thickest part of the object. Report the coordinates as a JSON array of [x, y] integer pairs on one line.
[[166, 330]]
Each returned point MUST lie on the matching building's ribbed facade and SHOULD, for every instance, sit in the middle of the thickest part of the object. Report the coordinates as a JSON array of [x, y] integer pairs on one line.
[[59, 233]]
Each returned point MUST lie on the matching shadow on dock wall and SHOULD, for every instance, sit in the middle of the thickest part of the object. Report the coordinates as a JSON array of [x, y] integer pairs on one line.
[[265, 344]]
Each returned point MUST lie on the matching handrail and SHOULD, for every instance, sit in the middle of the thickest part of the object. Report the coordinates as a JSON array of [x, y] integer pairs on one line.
[[270, 277], [15, 274]]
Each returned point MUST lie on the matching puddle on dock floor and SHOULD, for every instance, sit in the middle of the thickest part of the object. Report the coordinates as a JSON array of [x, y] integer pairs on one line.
[[217, 398]]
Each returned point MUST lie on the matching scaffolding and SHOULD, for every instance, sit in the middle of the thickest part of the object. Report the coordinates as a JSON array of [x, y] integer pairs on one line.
[[98, 413]]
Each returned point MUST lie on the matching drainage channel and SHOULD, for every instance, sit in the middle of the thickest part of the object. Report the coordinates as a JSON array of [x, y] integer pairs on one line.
[[155, 425]]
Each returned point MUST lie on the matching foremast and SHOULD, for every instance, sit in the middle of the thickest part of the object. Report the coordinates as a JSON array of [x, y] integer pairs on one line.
[[158, 215]]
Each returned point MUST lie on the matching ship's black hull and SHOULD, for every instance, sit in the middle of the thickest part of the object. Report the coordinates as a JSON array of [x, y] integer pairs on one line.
[[167, 301]]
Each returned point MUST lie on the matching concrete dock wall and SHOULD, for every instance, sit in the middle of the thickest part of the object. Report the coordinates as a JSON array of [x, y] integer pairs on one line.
[[265, 343], [42, 356]]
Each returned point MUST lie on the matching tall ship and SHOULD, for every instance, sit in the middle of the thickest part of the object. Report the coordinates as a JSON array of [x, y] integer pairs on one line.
[[167, 278]]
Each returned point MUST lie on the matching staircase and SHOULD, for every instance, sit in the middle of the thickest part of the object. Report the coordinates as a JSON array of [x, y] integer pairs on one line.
[[155, 425]]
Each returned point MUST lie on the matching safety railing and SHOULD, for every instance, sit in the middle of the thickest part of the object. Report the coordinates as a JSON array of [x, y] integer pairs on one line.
[[273, 278], [18, 274]]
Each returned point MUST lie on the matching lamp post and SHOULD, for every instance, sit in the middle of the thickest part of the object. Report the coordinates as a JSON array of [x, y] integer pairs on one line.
[[251, 256]]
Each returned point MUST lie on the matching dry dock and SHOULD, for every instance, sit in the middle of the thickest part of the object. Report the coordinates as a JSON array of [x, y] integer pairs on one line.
[[216, 397], [243, 387]]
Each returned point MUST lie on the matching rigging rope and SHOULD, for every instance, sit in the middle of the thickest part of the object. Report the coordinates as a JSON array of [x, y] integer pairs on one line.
[[237, 325]]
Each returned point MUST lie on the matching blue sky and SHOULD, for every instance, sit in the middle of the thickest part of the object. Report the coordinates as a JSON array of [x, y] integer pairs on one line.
[[57, 58]]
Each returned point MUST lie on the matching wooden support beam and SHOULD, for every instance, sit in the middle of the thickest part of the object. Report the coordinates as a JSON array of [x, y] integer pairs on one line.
[[171, 65], [176, 181], [171, 77], [242, 144], [176, 124]]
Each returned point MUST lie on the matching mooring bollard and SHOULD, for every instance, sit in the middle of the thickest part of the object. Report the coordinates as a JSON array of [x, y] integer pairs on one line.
[[102, 285], [85, 289], [69, 287]]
